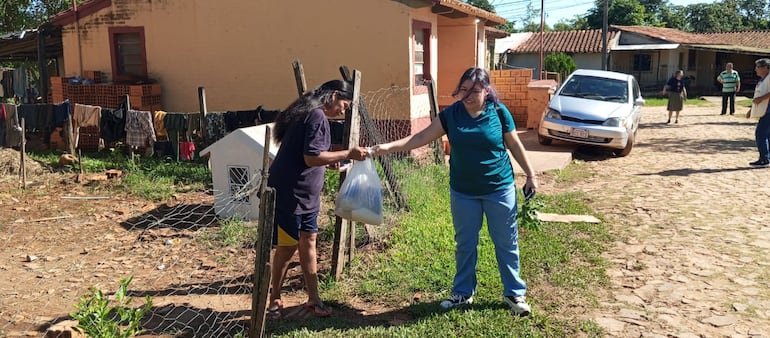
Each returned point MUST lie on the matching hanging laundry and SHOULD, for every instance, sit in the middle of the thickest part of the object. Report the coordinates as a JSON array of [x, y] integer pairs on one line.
[[113, 124], [186, 150], [160, 127], [86, 116], [176, 125], [193, 126], [140, 132], [61, 113], [215, 126], [12, 128], [20, 83]]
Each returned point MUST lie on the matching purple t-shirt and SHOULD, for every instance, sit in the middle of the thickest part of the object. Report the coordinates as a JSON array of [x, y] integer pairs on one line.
[[297, 186]]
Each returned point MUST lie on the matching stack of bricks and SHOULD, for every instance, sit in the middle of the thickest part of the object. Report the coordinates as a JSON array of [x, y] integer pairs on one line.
[[145, 97], [141, 97], [57, 88], [511, 87]]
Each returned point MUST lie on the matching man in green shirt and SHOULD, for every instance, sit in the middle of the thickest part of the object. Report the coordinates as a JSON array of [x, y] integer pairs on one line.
[[731, 84]]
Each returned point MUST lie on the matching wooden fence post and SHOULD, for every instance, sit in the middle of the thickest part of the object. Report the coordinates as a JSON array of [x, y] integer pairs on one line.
[[299, 77], [262, 260], [438, 152], [342, 227], [23, 154], [203, 110]]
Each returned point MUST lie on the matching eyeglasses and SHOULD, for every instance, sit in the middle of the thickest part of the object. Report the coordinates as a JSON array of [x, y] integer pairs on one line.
[[473, 92]]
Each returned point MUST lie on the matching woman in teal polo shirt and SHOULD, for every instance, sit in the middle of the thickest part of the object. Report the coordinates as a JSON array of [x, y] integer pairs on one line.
[[481, 131]]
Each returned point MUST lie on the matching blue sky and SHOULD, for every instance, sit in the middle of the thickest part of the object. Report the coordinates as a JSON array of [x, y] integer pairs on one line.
[[556, 10]]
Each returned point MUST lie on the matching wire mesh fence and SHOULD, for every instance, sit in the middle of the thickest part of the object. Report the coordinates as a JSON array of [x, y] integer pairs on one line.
[[195, 260]]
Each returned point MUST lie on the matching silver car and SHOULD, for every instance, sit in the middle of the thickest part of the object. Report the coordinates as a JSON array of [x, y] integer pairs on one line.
[[594, 107]]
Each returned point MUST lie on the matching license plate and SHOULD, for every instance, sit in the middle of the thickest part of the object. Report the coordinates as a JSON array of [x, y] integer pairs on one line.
[[581, 133]]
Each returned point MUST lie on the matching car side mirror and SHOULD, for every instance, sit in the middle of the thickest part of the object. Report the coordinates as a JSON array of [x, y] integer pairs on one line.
[[639, 102]]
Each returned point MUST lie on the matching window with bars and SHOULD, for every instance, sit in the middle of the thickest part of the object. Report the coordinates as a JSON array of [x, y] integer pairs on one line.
[[239, 184]]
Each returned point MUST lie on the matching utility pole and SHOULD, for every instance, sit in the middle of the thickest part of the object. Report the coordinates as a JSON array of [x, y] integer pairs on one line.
[[542, 21], [604, 34]]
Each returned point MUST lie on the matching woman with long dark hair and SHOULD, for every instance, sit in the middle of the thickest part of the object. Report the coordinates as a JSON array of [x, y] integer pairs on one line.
[[481, 181], [297, 174]]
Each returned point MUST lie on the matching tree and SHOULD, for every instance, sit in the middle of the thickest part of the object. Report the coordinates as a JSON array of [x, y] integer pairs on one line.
[[754, 13], [713, 17], [674, 17], [13, 15], [509, 27], [560, 63], [483, 4], [16, 15], [620, 12]]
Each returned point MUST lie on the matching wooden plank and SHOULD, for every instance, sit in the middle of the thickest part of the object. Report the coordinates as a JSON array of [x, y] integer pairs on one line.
[[299, 77], [23, 154], [343, 227], [262, 261], [262, 264], [438, 152]]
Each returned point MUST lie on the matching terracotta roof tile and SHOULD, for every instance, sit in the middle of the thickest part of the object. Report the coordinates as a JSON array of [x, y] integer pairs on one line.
[[758, 39], [582, 41], [668, 34]]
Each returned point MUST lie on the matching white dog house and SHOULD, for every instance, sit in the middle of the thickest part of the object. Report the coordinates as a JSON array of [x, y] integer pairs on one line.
[[236, 166]]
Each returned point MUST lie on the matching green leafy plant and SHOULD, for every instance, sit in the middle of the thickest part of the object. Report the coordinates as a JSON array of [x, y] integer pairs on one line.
[[560, 63], [527, 217], [97, 316]]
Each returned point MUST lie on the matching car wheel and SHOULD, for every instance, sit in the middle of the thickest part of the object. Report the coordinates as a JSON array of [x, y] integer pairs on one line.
[[544, 140], [627, 150]]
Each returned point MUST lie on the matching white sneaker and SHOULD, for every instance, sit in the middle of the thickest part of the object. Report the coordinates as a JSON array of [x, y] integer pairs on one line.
[[518, 305], [456, 300]]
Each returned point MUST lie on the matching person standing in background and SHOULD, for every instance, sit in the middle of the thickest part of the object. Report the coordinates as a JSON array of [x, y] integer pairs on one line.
[[731, 84], [759, 109], [677, 93]]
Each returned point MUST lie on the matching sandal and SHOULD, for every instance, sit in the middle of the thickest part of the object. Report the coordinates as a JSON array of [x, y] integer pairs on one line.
[[318, 310], [274, 310]]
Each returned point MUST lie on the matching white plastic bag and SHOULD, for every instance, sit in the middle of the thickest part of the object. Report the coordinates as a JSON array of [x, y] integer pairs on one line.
[[360, 196]]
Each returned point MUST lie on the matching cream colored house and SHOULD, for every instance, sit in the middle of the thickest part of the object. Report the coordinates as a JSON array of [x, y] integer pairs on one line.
[[242, 51]]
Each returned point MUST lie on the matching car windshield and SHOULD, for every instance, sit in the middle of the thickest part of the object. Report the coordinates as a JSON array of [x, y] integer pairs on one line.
[[596, 88]]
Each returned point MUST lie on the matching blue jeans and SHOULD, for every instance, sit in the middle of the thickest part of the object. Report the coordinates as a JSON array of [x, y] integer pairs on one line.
[[500, 210], [763, 136]]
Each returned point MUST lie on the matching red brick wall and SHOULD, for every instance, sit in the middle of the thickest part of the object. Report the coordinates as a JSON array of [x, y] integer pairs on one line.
[[511, 87]]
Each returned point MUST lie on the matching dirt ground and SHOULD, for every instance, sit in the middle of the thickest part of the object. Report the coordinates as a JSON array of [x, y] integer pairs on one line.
[[692, 257]]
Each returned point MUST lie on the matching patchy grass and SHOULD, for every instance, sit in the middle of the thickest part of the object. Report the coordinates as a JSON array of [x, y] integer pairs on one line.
[[561, 263], [152, 178]]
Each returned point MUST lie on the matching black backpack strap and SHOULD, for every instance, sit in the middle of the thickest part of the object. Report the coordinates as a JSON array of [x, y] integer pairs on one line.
[[442, 118], [500, 115]]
